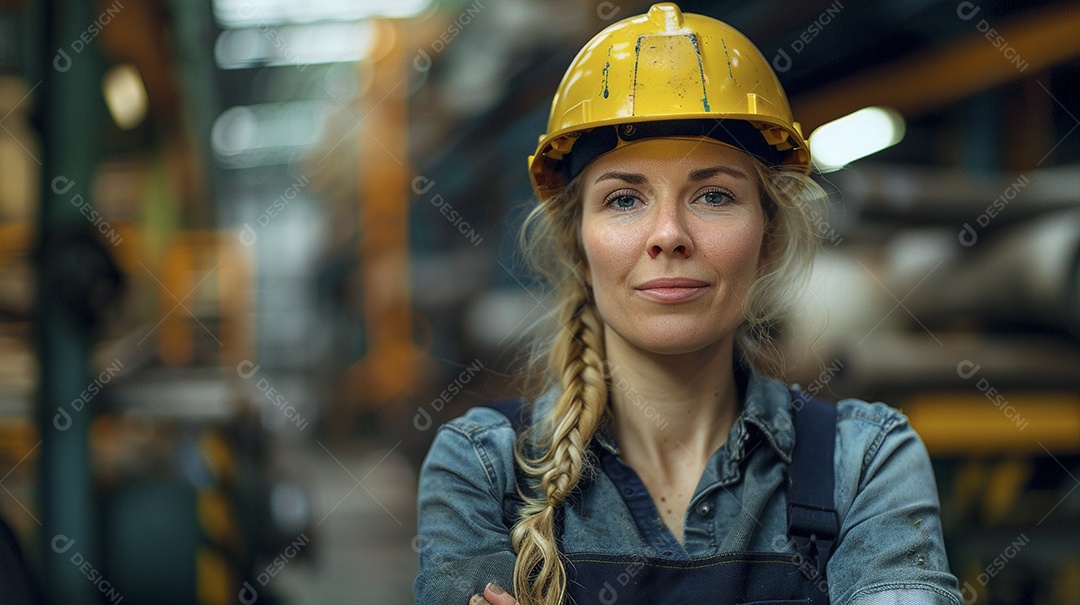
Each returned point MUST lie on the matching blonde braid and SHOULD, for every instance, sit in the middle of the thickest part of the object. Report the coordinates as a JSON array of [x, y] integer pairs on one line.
[[577, 356]]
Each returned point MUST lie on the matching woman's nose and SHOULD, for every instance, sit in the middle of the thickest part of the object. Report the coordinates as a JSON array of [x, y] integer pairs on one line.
[[669, 231]]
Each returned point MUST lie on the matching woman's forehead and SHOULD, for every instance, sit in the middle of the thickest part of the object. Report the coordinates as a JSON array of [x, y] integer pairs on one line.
[[676, 154]]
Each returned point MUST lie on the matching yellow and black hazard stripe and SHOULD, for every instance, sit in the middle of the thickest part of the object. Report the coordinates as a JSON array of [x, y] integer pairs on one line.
[[219, 558]]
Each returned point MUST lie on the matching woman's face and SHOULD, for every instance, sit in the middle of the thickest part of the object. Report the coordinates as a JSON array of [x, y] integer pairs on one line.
[[672, 231]]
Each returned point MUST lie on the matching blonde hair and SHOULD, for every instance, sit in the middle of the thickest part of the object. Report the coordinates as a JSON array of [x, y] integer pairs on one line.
[[571, 354], [794, 206]]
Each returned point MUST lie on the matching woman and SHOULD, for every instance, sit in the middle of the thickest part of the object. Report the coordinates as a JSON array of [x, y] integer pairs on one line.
[[662, 464]]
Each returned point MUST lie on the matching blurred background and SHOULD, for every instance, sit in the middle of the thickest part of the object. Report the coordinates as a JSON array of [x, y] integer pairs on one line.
[[254, 252]]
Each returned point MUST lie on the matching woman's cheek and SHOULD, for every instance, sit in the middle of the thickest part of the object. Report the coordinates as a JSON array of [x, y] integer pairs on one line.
[[604, 251], [739, 249]]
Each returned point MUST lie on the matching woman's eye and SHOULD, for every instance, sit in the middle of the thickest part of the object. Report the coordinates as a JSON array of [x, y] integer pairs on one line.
[[717, 197], [622, 202]]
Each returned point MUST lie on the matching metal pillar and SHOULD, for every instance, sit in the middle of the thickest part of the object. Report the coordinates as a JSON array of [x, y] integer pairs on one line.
[[391, 362], [69, 105]]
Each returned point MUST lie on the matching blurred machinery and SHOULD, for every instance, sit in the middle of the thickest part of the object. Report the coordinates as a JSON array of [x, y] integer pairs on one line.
[[181, 458], [187, 498], [145, 478], [964, 314]]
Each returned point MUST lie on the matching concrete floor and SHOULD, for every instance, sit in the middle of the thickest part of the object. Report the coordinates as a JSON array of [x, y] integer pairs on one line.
[[364, 515]]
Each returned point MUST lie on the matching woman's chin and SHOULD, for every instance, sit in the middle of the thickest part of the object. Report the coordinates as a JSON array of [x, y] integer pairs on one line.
[[675, 341], [675, 349]]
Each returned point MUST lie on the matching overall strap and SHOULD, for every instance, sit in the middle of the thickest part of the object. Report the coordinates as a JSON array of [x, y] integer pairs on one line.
[[813, 524], [515, 410], [520, 415]]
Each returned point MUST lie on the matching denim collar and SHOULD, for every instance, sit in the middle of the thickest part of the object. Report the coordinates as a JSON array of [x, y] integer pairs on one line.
[[766, 412]]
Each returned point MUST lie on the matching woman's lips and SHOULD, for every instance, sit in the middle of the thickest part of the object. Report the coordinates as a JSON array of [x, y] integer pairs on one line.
[[672, 289]]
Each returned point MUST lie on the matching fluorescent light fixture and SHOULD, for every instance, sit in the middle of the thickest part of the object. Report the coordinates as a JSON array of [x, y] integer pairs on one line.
[[265, 13], [308, 44], [838, 143], [273, 133], [125, 95]]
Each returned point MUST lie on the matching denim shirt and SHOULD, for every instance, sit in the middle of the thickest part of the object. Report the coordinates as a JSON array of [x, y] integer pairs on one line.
[[890, 549]]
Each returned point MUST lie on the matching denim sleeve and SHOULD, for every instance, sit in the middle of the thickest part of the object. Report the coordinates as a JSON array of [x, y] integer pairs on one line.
[[463, 540], [891, 550]]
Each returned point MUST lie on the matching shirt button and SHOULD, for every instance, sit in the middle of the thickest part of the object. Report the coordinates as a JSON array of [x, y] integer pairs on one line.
[[704, 509]]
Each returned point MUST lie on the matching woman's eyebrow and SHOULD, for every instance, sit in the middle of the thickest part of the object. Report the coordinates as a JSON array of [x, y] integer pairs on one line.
[[630, 177], [706, 173]]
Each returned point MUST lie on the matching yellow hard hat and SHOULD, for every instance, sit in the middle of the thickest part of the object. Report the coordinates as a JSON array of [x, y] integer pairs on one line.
[[665, 74]]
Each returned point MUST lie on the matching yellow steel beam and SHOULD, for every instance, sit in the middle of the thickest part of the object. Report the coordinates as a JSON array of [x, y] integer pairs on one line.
[[205, 266], [994, 53], [1003, 491], [388, 369], [1018, 423]]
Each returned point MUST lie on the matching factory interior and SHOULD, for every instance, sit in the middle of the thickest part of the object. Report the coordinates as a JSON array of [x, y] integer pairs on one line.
[[253, 253]]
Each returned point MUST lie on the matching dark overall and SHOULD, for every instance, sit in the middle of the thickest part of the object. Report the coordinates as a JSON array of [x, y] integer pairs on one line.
[[734, 578]]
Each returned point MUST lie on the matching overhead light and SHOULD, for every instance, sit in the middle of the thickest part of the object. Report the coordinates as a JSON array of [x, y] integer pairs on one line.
[[272, 133], [867, 131], [266, 13], [125, 95], [299, 45]]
